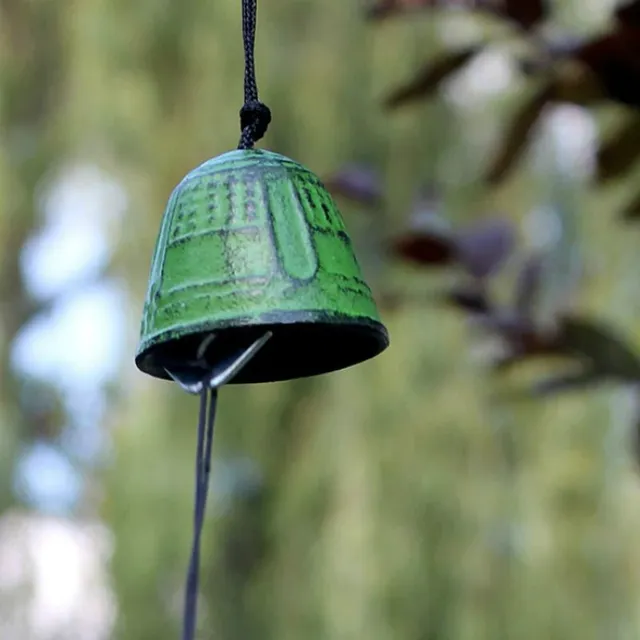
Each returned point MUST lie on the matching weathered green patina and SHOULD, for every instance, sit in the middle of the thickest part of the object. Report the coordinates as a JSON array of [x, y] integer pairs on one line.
[[251, 241]]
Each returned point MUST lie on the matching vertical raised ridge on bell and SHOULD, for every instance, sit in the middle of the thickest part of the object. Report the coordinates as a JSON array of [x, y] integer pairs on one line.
[[292, 235], [252, 241]]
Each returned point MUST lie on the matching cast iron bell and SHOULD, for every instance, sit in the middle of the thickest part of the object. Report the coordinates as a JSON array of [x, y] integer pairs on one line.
[[251, 243]]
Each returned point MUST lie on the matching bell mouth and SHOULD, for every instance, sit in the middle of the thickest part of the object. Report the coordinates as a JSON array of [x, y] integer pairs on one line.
[[302, 344]]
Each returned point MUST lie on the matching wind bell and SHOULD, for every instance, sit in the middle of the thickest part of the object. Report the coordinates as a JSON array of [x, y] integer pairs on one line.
[[253, 279]]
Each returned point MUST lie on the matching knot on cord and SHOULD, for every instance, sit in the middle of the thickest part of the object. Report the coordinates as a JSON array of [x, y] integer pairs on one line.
[[255, 117]]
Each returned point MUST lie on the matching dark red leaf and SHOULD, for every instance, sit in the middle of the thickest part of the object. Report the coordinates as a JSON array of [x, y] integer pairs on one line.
[[609, 354], [585, 340], [424, 248], [358, 183], [525, 13], [516, 136], [528, 285], [628, 13], [615, 59], [470, 299], [521, 336], [609, 67], [428, 241], [576, 337], [483, 249], [428, 79], [618, 154]]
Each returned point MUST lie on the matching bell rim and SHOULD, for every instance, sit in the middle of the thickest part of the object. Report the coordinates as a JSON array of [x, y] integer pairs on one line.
[[375, 327]]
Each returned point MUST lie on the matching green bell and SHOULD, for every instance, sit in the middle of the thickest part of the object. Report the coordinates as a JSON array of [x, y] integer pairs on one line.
[[252, 245]]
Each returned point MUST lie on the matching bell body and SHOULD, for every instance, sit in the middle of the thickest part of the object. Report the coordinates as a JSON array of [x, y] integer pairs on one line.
[[251, 241]]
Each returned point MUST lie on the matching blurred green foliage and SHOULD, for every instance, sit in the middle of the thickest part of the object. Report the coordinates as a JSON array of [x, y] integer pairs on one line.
[[398, 499]]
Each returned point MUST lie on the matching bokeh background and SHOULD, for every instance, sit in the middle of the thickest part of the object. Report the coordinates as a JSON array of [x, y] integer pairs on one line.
[[419, 496]]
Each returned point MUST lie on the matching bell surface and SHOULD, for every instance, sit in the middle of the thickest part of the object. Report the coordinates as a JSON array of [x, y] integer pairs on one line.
[[250, 242]]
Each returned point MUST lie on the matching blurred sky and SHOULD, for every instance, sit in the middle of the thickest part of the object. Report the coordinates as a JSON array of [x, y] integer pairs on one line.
[[77, 345]]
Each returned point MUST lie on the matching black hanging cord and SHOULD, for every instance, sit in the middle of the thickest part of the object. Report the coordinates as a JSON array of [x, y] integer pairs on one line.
[[254, 120], [203, 472], [254, 115]]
